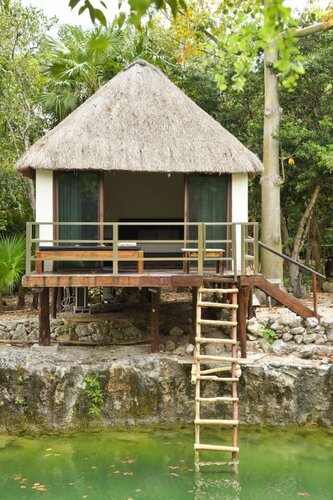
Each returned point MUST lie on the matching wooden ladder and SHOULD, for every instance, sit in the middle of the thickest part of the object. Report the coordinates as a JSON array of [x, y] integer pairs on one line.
[[226, 363]]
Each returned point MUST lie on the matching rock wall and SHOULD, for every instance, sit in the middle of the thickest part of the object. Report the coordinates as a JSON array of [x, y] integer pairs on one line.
[[132, 324], [287, 332], [45, 391]]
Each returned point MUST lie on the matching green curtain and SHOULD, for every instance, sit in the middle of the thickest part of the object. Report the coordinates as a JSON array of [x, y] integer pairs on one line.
[[78, 202], [208, 203]]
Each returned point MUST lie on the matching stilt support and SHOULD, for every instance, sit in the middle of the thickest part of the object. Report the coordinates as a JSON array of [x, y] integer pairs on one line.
[[44, 321], [194, 314], [155, 318], [54, 298], [243, 301]]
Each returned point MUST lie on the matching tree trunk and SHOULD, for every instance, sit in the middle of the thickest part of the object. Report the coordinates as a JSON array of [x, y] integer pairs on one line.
[[314, 245], [302, 231], [271, 181]]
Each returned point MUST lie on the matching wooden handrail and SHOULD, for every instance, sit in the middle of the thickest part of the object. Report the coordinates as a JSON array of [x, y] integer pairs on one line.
[[301, 266], [289, 259]]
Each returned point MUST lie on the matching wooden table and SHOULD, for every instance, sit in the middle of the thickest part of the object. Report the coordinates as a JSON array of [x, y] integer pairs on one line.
[[87, 254], [210, 253]]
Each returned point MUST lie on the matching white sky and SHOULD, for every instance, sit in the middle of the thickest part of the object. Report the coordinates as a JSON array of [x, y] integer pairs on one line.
[[65, 15]]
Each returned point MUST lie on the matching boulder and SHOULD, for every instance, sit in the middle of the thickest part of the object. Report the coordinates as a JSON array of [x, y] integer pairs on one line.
[[312, 322], [176, 331], [20, 333]]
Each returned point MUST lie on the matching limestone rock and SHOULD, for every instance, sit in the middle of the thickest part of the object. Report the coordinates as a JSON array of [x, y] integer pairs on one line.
[[5, 335], [34, 334], [176, 331], [299, 338], [81, 330], [19, 333], [132, 332], [297, 331], [279, 347], [321, 339], [330, 335], [276, 326], [287, 337], [189, 349], [312, 322], [328, 286], [310, 338], [253, 326], [327, 321], [170, 346]]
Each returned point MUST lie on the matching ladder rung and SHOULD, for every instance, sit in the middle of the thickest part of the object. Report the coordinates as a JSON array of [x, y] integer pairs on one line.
[[218, 379], [202, 340], [217, 322], [213, 447], [218, 290], [226, 359], [219, 369], [203, 464], [217, 304], [201, 421], [224, 399]]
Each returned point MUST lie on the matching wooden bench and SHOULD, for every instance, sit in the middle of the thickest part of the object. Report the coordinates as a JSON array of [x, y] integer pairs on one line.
[[209, 253], [86, 254]]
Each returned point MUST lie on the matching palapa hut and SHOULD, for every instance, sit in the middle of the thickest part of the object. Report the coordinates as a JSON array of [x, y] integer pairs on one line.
[[144, 165], [139, 150]]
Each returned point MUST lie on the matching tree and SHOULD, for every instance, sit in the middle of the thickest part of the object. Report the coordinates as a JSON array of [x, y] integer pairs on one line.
[[79, 62], [23, 32]]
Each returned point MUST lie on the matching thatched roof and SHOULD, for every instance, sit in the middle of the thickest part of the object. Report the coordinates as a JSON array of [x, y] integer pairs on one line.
[[140, 121]]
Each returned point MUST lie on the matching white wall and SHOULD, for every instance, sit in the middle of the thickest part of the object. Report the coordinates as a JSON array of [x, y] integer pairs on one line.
[[44, 203], [239, 206]]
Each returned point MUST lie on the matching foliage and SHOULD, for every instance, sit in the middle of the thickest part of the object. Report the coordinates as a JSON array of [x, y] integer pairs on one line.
[[239, 30], [22, 55], [12, 261], [138, 9], [94, 393], [14, 205], [266, 333], [79, 62], [306, 136]]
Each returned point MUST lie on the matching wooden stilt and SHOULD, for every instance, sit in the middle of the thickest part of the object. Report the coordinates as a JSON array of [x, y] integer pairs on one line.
[[251, 310], [242, 314], [155, 316], [60, 297], [44, 321], [194, 314], [54, 297]]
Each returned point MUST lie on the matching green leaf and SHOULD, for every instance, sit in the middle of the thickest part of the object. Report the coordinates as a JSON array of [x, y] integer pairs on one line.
[[73, 3], [99, 15]]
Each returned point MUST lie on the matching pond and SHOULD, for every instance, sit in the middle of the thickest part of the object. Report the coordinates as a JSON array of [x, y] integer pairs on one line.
[[157, 464]]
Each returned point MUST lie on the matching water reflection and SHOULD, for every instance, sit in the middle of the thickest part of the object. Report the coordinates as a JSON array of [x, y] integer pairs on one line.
[[216, 488]]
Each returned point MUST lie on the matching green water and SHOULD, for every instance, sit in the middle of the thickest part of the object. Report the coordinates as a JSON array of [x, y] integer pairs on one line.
[[158, 464]]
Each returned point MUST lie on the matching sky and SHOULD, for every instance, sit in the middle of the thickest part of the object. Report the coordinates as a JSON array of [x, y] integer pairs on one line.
[[60, 9]]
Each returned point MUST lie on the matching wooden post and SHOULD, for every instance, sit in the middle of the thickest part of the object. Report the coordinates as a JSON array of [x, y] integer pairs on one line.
[[54, 298], [194, 314], [314, 291], [60, 297], [155, 317], [251, 311], [243, 300], [44, 321]]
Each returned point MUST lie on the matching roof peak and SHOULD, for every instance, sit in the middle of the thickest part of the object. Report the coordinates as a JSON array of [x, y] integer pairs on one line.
[[139, 62]]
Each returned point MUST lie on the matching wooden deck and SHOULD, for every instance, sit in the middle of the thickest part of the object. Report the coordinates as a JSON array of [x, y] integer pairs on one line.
[[151, 278]]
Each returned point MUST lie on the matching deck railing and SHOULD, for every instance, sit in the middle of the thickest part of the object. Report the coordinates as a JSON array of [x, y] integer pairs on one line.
[[239, 243]]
